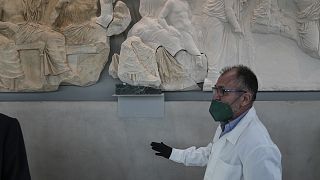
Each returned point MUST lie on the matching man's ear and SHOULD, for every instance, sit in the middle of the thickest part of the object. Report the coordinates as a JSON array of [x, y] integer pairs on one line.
[[246, 99]]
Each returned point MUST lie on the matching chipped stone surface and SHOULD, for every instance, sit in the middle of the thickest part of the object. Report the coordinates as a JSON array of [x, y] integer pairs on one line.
[[137, 64], [121, 19]]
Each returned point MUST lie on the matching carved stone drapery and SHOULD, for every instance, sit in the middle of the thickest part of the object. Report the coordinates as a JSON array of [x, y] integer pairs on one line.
[[278, 39], [58, 41]]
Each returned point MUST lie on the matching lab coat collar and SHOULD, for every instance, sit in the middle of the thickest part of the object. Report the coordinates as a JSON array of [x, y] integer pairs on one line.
[[234, 135]]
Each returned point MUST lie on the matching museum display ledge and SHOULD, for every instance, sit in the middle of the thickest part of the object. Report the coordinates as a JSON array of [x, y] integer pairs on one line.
[[106, 94]]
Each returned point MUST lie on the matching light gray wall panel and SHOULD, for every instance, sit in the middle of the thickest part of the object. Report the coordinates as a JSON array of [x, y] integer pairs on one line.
[[87, 141]]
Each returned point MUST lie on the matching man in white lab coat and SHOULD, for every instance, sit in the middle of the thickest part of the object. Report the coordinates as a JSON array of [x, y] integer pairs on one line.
[[242, 148]]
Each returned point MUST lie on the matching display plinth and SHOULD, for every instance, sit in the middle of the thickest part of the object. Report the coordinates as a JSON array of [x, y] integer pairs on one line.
[[141, 106]]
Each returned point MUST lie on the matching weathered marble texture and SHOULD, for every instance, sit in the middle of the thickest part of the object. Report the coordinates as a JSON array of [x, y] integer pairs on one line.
[[121, 19], [278, 39], [58, 41], [140, 66]]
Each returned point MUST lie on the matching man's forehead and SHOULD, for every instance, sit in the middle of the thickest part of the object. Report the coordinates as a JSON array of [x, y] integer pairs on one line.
[[228, 78]]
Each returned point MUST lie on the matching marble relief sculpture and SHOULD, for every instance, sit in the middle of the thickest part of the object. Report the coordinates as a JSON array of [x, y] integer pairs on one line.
[[302, 26], [224, 35], [10, 64], [54, 42], [191, 40], [168, 24], [164, 38], [28, 25], [175, 17], [177, 45], [201, 45], [105, 18]]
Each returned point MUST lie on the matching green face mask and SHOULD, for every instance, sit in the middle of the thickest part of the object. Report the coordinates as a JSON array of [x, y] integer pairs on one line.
[[220, 111]]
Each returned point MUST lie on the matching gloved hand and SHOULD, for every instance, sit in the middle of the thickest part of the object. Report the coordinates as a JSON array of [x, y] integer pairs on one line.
[[163, 150]]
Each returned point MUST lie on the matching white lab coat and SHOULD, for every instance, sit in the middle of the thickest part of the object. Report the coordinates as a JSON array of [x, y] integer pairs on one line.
[[245, 153]]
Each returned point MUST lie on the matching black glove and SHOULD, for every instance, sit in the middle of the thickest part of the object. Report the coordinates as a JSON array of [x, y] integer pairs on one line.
[[163, 150]]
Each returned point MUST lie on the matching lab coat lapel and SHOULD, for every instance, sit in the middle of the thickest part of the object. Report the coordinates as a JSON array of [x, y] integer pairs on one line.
[[217, 134], [234, 135]]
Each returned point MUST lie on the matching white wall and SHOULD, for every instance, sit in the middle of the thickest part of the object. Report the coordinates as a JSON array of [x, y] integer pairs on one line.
[[87, 141]]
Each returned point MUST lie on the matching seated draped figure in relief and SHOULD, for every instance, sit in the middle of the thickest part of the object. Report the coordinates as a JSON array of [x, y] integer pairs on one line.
[[77, 22], [165, 32], [166, 23], [34, 27], [86, 40], [175, 17], [10, 66], [56, 41], [86, 32], [26, 20]]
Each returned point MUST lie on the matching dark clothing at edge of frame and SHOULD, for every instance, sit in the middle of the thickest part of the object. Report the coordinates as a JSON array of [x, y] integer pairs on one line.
[[13, 158]]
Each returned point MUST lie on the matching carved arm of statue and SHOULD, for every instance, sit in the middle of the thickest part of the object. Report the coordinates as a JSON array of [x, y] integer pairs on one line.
[[8, 29], [231, 16]]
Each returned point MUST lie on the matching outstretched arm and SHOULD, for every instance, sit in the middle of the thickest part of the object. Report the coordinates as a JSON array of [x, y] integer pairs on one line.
[[192, 156], [188, 157]]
